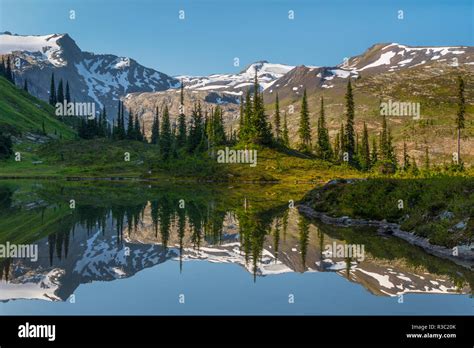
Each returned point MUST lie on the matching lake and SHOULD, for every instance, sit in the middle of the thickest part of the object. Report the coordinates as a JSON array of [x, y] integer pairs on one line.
[[166, 248]]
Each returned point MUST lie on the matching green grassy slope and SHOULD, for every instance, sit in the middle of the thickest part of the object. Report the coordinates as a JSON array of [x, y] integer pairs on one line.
[[21, 112]]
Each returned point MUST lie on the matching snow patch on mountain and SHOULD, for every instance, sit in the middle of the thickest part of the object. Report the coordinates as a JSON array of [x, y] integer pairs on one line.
[[267, 74], [40, 286], [46, 45], [383, 60]]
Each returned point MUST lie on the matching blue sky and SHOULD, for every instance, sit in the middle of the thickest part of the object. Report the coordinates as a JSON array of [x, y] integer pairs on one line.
[[215, 31]]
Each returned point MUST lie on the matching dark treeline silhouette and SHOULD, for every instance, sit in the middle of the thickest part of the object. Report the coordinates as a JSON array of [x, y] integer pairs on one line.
[[6, 70]]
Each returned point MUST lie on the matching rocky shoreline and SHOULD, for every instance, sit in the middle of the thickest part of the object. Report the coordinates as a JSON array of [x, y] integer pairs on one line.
[[464, 258]]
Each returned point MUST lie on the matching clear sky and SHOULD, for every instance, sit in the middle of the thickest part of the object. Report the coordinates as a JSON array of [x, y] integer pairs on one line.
[[214, 32]]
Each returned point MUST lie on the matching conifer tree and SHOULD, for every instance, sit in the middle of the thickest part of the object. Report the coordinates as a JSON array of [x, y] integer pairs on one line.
[[165, 136], [196, 133], [137, 130], [324, 144], [247, 130], [182, 132], [241, 118], [68, 93], [142, 134], [391, 156], [60, 94], [218, 136], [374, 154], [384, 148], [350, 133], [284, 136], [131, 127], [9, 72], [337, 147], [6, 146], [342, 137], [104, 123], [414, 168], [52, 92], [460, 124], [123, 134], [277, 119], [304, 130], [261, 129], [25, 86], [2, 68], [365, 150], [406, 157], [427, 159], [155, 129]]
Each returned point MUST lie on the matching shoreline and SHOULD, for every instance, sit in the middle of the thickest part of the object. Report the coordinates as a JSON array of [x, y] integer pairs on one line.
[[465, 257]]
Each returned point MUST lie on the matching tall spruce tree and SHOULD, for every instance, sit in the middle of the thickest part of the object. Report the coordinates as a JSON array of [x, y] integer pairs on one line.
[[342, 137], [6, 146], [337, 147], [60, 94], [9, 72], [374, 155], [277, 119], [67, 97], [324, 144], [261, 129], [2, 68], [137, 129], [155, 129], [52, 91], [406, 157], [427, 159], [364, 153], [104, 123], [384, 148], [284, 135], [350, 133], [182, 132], [218, 136], [131, 126], [25, 85], [304, 130], [460, 122], [247, 130], [166, 140], [121, 133], [391, 156], [241, 118]]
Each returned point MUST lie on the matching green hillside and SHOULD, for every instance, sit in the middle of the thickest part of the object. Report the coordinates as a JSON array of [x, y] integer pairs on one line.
[[20, 112]]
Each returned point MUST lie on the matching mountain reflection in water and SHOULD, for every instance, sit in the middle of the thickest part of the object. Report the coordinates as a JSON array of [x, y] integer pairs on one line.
[[116, 232]]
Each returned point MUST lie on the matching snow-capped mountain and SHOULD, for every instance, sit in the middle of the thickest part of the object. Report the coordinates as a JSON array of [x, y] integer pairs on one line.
[[393, 56], [378, 59], [98, 78], [235, 84]]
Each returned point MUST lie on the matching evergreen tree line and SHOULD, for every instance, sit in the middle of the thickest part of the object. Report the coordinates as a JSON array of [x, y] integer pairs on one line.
[[348, 146], [202, 132], [198, 133], [59, 94], [6, 69]]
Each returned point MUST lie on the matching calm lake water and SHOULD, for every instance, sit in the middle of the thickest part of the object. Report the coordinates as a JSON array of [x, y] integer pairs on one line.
[[117, 248]]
